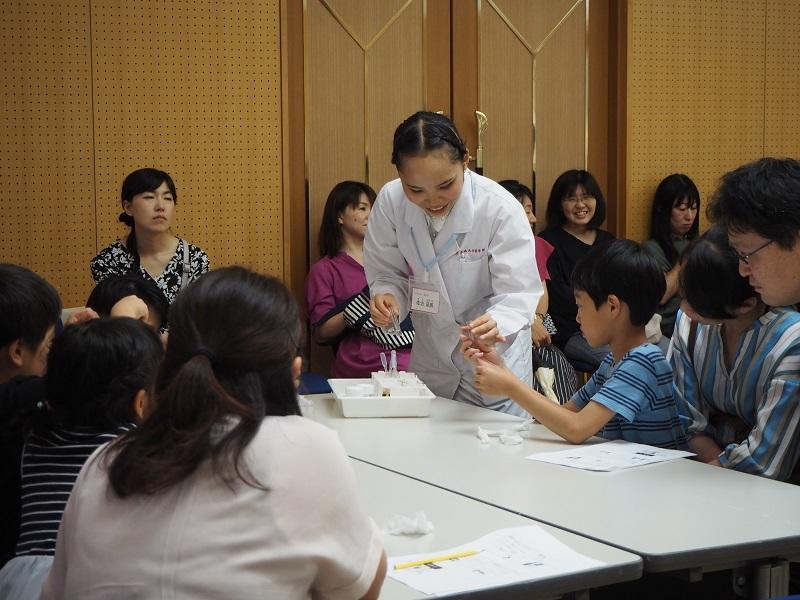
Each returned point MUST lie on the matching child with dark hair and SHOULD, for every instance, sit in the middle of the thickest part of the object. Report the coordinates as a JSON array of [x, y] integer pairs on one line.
[[337, 296], [576, 209], [131, 296], [736, 365], [30, 308], [454, 248], [674, 223], [225, 490], [99, 376], [151, 250], [629, 397]]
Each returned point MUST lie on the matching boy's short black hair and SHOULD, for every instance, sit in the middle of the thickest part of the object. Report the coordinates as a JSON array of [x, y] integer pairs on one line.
[[625, 269], [110, 291], [29, 306], [95, 369], [710, 280], [762, 197]]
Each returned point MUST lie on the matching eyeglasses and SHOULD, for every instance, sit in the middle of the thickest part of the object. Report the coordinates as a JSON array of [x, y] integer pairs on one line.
[[576, 199], [745, 258]]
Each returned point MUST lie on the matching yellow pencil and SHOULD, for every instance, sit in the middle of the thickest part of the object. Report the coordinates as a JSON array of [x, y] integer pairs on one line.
[[434, 559]]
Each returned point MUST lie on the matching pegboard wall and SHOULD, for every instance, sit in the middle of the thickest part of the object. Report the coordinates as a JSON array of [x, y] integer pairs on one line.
[[46, 147], [189, 87], [782, 87], [695, 95]]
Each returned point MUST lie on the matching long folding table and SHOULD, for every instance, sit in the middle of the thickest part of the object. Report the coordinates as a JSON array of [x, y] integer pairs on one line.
[[679, 515], [458, 520]]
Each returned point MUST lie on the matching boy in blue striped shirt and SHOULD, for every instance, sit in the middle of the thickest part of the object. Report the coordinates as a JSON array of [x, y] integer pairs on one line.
[[617, 290]]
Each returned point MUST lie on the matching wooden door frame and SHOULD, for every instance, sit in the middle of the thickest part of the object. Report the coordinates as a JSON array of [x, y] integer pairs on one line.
[[295, 195]]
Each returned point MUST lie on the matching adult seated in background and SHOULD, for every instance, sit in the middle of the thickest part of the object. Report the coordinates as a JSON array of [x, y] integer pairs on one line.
[[575, 210], [151, 250], [99, 376], [673, 224], [759, 204], [736, 366], [337, 296], [130, 296], [545, 354], [224, 491], [30, 308]]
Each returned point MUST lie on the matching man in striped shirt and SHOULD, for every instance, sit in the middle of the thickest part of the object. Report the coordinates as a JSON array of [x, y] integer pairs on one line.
[[736, 365], [759, 204]]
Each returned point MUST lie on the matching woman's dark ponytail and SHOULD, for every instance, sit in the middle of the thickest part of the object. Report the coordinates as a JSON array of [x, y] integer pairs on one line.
[[234, 336], [130, 241]]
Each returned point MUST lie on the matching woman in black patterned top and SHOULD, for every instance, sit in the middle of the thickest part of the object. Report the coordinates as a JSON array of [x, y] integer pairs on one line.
[[151, 250]]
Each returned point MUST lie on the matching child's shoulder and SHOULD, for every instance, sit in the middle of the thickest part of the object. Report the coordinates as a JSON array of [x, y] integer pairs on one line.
[[645, 358]]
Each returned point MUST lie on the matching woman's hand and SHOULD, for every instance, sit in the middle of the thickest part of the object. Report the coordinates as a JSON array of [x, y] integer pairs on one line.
[[539, 335], [484, 332], [473, 350], [382, 308]]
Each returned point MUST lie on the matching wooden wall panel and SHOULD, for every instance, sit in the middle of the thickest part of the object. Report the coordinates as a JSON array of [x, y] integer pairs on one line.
[[561, 104], [334, 111], [534, 19], [395, 88], [366, 19], [46, 151], [507, 63], [536, 53], [600, 105], [695, 95], [365, 72], [366, 69], [193, 88], [782, 86]]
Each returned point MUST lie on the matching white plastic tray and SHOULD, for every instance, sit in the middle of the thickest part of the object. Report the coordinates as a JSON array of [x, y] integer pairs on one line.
[[379, 406]]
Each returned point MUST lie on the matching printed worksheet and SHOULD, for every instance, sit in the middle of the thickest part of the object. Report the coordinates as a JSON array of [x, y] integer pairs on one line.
[[502, 557], [609, 456]]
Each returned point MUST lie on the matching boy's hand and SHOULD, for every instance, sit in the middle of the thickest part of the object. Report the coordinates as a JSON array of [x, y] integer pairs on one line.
[[493, 379], [132, 307], [81, 316], [381, 309]]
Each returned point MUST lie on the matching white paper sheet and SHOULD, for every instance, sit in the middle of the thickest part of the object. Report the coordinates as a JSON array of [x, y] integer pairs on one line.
[[503, 557], [609, 456]]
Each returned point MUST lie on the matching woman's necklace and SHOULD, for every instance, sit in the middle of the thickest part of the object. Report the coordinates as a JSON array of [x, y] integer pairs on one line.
[[435, 224]]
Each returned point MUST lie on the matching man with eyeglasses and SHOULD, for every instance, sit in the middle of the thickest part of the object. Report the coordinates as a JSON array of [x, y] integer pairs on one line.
[[759, 203]]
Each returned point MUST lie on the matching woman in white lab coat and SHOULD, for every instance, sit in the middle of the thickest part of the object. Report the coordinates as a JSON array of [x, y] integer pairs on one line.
[[455, 249]]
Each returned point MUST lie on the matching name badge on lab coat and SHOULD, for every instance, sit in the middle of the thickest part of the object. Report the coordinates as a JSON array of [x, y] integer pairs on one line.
[[424, 296]]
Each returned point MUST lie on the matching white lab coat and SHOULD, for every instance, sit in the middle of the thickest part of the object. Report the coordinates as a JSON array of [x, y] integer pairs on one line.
[[490, 267]]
